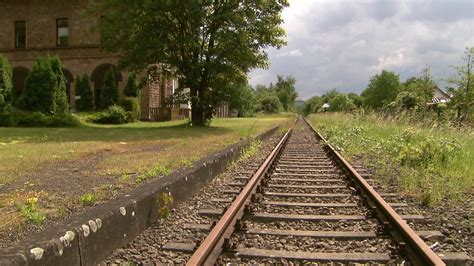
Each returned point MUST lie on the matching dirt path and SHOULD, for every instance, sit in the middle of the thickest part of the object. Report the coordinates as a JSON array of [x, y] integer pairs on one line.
[[59, 185]]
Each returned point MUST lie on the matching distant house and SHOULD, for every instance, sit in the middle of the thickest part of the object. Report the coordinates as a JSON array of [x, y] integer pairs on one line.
[[325, 107], [439, 96]]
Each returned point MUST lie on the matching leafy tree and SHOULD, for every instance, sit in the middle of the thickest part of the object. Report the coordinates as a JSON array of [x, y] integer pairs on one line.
[[61, 91], [341, 103], [269, 104], [406, 100], [83, 89], [382, 89], [356, 99], [204, 42], [463, 80], [267, 99], [312, 105], [6, 87], [338, 101], [109, 93], [426, 85], [416, 92], [131, 88], [40, 88], [242, 98], [285, 90]]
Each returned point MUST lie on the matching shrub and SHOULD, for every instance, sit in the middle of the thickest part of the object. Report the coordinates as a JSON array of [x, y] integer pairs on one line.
[[132, 106], [39, 94], [269, 104], [109, 94], [61, 91], [131, 89], [87, 199], [113, 115], [5, 82], [12, 117], [6, 117], [29, 211], [84, 91], [45, 89]]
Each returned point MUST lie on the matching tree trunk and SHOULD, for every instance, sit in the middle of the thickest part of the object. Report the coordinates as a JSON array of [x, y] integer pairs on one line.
[[197, 115]]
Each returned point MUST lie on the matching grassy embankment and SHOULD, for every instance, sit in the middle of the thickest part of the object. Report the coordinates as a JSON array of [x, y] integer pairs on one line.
[[432, 164], [129, 154]]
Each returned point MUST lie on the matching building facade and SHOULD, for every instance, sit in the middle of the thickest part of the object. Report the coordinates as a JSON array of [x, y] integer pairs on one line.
[[33, 28]]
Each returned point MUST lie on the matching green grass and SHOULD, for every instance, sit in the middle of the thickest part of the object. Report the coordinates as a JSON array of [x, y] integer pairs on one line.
[[87, 199], [23, 150], [250, 151], [432, 164], [132, 153]]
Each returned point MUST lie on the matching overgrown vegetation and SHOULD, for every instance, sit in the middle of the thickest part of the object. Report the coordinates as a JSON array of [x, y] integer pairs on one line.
[[157, 170], [132, 106], [412, 99], [30, 211], [463, 92], [113, 115], [87, 199], [165, 200], [430, 164], [251, 150]]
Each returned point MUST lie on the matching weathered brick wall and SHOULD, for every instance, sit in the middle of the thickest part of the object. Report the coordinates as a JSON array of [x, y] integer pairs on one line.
[[82, 55], [41, 18]]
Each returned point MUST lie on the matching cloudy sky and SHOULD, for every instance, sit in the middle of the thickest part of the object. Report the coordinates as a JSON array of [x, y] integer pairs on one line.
[[341, 44]]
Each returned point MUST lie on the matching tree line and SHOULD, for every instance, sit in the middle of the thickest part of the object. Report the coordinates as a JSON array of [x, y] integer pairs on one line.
[[386, 93], [273, 98]]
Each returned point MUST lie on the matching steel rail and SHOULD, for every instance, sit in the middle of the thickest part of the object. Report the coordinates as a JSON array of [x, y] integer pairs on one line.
[[210, 249], [419, 252]]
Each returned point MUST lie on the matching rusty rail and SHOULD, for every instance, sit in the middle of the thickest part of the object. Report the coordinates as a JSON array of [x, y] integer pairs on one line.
[[210, 249], [417, 250]]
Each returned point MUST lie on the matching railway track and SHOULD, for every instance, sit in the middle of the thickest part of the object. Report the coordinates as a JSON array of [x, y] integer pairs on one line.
[[306, 204]]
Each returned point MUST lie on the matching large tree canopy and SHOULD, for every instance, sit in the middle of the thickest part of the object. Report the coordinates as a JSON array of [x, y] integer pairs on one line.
[[286, 92], [382, 89], [463, 80], [205, 42]]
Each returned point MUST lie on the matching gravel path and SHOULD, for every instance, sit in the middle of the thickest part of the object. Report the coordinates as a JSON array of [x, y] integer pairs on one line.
[[147, 247]]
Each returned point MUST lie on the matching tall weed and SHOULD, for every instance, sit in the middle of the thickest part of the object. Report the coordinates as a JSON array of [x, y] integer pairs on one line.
[[431, 164]]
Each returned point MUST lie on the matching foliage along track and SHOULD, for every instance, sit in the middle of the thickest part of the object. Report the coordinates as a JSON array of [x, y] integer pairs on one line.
[[304, 204]]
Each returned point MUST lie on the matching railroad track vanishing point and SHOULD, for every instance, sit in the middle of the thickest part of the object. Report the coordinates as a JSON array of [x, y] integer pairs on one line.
[[306, 190]]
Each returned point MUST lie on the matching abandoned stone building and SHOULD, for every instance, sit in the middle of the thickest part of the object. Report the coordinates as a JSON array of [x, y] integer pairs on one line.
[[33, 28]]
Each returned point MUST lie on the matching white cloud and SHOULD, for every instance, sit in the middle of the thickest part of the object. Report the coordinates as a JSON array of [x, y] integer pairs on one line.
[[341, 44], [289, 53]]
